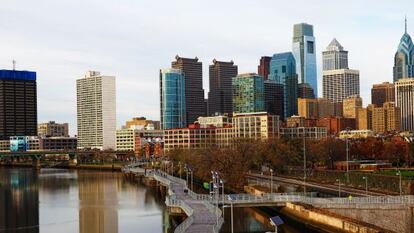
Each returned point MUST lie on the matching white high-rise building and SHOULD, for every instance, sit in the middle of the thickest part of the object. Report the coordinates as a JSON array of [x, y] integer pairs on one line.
[[404, 98], [96, 111], [339, 82]]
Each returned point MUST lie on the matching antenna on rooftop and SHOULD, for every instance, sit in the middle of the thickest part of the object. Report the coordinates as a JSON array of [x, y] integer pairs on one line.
[[405, 23], [14, 64]]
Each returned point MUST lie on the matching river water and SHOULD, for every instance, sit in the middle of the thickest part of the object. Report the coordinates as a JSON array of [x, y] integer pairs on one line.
[[63, 201]]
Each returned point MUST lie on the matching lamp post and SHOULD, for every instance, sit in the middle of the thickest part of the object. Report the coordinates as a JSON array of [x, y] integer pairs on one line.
[[399, 174], [271, 181], [366, 184], [304, 161], [339, 187], [347, 155]]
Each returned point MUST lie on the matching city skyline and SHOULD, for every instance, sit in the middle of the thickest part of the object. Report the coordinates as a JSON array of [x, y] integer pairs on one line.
[[60, 53]]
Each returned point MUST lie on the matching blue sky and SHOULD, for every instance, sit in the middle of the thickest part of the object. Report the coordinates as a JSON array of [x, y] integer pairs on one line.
[[133, 39]]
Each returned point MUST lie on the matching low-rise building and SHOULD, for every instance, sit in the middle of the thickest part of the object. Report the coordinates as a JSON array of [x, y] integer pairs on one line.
[[295, 121], [53, 129], [215, 121], [304, 132], [386, 118], [356, 133], [334, 125], [193, 137], [58, 143], [259, 125]]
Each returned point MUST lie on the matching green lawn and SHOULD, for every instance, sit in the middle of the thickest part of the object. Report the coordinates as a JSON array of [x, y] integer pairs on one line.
[[404, 173]]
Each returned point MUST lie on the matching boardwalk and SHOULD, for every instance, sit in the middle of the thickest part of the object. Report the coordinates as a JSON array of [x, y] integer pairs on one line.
[[202, 215]]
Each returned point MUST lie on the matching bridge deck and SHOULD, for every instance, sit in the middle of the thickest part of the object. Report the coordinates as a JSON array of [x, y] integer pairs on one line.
[[202, 215]]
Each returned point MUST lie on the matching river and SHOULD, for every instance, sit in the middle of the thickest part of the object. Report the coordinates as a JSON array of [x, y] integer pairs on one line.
[[63, 201]]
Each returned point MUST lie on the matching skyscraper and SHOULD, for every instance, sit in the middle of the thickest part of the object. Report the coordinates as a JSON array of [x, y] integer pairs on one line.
[[404, 58], [381, 93], [192, 71], [219, 96], [282, 70], [172, 99], [96, 111], [339, 82], [248, 93], [335, 57], [263, 68], [273, 95], [18, 103], [404, 98], [305, 55], [305, 91]]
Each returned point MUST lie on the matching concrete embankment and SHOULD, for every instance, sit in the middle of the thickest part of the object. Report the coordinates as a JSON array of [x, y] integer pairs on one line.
[[101, 167], [328, 221]]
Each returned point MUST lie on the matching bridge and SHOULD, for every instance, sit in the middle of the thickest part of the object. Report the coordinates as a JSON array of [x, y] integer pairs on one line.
[[205, 216]]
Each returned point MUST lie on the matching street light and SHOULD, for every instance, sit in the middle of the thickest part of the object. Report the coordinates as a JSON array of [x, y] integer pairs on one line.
[[339, 187], [304, 162], [399, 174], [271, 181], [347, 155], [366, 184]]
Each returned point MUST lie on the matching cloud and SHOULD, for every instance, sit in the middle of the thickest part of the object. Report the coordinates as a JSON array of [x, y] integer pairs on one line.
[[133, 39]]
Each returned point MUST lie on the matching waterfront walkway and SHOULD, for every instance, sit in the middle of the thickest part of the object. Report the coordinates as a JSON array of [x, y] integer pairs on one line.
[[202, 215], [205, 216]]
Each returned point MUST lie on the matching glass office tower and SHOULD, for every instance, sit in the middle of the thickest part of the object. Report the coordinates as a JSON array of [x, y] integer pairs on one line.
[[404, 58], [305, 55], [248, 93], [172, 99], [282, 70]]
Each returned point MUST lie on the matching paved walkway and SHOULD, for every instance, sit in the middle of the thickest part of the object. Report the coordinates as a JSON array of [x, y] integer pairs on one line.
[[202, 215]]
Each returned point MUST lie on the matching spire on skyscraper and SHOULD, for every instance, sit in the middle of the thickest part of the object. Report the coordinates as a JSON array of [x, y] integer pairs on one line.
[[406, 24]]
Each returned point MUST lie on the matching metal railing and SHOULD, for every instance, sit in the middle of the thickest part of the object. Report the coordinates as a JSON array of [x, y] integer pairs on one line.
[[184, 225]]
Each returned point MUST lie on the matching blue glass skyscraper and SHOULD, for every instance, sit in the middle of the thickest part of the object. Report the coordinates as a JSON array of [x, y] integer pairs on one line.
[[305, 55], [282, 70], [172, 99], [404, 57]]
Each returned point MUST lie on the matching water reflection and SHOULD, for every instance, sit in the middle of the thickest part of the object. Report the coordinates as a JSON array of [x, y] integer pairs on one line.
[[19, 198], [66, 201], [98, 203]]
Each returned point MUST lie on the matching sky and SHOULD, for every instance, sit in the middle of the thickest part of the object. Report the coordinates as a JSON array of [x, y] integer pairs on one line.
[[133, 39]]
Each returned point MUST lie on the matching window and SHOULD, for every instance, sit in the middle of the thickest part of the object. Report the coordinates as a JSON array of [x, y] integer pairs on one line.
[[310, 47], [283, 69]]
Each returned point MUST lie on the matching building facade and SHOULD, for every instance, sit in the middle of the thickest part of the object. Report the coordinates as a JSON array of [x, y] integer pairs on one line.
[[256, 126], [303, 132], [58, 143], [335, 57], [274, 98], [364, 120], [304, 51], [96, 111], [404, 97], [192, 72], [386, 118], [381, 93], [53, 129], [404, 58], [141, 123], [18, 103], [334, 125], [351, 105], [308, 108], [192, 137], [248, 93], [339, 82], [283, 71], [214, 121], [263, 68], [172, 99], [305, 91], [220, 99]]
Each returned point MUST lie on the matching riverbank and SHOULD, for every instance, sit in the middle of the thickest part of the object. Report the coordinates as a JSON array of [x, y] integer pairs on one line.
[[100, 167]]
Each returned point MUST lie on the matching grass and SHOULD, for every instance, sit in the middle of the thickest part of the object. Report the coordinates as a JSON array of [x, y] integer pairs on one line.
[[404, 173]]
